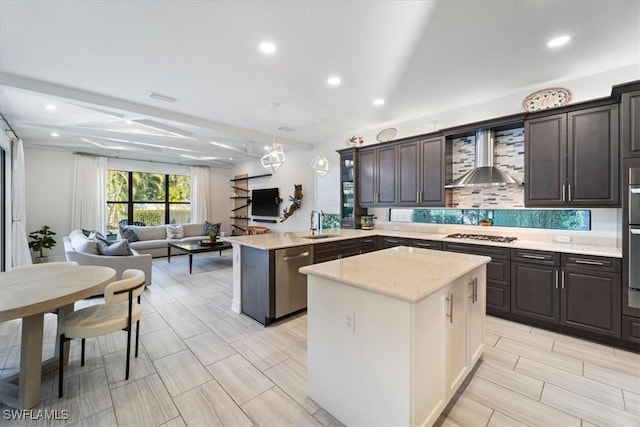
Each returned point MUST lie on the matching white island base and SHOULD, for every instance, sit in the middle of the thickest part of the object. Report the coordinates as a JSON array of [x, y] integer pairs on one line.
[[382, 358]]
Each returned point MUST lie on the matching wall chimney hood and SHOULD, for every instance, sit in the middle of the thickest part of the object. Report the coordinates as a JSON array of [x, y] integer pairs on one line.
[[484, 173]]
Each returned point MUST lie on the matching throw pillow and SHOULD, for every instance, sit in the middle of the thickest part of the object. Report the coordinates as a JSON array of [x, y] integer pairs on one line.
[[129, 234], [175, 231], [113, 248], [95, 233], [209, 227]]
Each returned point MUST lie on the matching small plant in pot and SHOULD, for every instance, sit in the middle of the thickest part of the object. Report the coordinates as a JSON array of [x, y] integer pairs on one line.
[[485, 222], [41, 240], [212, 236]]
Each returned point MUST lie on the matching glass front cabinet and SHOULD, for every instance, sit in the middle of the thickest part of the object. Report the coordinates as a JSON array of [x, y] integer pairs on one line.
[[350, 212]]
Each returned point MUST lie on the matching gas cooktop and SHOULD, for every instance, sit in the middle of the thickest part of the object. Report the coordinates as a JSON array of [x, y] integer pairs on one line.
[[499, 239]]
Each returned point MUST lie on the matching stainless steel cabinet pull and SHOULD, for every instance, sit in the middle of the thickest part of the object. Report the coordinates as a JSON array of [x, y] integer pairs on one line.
[[367, 241], [556, 279], [300, 255], [470, 286], [569, 191], [634, 190], [418, 196], [449, 300], [533, 256], [584, 261], [563, 192], [562, 279], [475, 289], [391, 241], [424, 245], [634, 230]]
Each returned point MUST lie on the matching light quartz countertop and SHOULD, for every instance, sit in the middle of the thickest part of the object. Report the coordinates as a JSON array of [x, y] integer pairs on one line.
[[289, 239], [410, 274]]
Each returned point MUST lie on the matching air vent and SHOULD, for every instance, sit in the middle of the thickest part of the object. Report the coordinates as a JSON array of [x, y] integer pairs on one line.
[[165, 98], [285, 129]]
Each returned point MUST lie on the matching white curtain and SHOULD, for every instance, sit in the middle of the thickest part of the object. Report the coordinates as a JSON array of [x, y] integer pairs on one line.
[[20, 254], [89, 193], [200, 193]]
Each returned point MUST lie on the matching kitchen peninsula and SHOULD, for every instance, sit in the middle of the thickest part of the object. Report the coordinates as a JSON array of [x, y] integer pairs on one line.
[[392, 334]]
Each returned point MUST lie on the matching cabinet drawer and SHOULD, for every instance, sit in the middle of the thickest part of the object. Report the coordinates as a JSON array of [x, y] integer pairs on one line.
[[631, 329], [590, 262], [492, 251], [535, 257], [325, 251], [499, 272], [349, 248], [426, 244], [367, 244], [391, 242], [498, 298]]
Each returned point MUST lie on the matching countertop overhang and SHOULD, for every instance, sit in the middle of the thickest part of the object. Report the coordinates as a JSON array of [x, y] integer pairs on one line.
[[289, 239], [409, 274]]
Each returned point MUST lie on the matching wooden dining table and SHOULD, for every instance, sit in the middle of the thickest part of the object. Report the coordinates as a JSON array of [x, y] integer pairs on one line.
[[29, 293]]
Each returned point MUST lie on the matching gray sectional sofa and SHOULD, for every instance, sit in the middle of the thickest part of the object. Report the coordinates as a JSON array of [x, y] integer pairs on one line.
[[84, 251], [153, 240]]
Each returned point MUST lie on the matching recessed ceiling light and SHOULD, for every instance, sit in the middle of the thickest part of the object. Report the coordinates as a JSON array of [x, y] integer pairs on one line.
[[54, 134], [51, 107], [230, 158], [378, 101], [267, 47], [334, 80], [266, 147], [559, 41], [129, 122]]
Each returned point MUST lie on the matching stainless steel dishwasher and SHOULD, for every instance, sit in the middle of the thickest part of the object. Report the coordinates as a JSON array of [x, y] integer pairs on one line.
[[291, 285]]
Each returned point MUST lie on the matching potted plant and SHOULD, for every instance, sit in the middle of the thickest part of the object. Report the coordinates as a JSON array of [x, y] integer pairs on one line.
[[485, 222], [40, 240], [213, 236]]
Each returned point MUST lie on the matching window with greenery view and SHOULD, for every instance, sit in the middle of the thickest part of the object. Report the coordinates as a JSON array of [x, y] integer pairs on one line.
[[148, 198], [565, 219]]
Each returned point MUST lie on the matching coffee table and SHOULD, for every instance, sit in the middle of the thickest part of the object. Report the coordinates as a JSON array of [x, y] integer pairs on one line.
[[196, 247]]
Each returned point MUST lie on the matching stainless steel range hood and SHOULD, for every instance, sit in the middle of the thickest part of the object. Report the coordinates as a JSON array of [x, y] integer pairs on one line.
[[484, 174]]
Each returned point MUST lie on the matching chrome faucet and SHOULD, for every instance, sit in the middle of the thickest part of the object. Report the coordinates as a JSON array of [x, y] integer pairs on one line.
[[316, 221]]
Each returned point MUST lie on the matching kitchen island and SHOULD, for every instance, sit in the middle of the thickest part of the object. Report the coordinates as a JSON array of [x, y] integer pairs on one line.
[[392, 334]]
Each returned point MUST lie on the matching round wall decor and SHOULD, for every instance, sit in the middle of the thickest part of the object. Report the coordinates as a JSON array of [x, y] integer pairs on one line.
[[547, 98]]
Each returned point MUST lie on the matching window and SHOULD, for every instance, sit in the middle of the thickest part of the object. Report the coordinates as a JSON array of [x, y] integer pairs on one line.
[[560, 219], [149, 198]]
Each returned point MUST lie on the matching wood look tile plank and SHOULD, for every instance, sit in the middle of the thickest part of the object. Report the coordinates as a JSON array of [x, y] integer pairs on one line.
[[498, 419], [585, 408], [239, 378], [539, 341], [297, 351], [151, 322], [521, 408], [188, 326], [275, 408], [631, 402], [229, 329], [597, 358], [575, 341], [595, 390], [209, 347], [156, 296], [490, 339], [468, 412], [612, 377], [513, 380], [291, 377], [84, 395], [207, 313], [143, 402], [162, 343], [115, 364], [172, 311], [627, 355], [106, 418], [558, 360], [210, 402], [181, 371], [496, 323], [176, 422], [260, 352], [501, 357]]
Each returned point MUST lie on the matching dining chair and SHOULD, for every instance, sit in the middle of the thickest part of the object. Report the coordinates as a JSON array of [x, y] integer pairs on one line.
[[121, 309]]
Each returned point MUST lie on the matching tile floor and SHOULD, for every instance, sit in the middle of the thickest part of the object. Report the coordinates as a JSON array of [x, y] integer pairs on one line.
[[202, 365]]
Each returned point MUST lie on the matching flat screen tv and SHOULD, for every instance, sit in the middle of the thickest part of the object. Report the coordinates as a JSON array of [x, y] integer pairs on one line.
[[265, 202]]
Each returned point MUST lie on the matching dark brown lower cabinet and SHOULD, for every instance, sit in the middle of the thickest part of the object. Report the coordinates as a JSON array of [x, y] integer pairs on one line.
[[385, 242], [631, 330], [581, 292], [591, 300], [535, 291]]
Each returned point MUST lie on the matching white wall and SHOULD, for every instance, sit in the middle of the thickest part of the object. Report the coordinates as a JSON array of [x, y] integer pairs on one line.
[[5, 145]]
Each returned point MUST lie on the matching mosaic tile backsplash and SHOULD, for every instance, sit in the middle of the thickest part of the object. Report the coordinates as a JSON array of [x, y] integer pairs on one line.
[[508, 155]]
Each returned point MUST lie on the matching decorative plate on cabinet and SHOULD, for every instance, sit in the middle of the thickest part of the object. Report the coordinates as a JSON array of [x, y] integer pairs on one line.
[[547, 98], [387, 134]]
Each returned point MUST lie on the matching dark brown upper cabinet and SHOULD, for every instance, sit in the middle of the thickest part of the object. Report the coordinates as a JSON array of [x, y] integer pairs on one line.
[[630, 124], [573, 158], [377, 176], [421, 172]]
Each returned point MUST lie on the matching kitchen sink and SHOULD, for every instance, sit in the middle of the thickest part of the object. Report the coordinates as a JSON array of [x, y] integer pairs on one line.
[[319, 236]]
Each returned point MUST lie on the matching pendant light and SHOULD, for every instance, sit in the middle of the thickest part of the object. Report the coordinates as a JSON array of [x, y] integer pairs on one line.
[[321, 165], [274, 157]]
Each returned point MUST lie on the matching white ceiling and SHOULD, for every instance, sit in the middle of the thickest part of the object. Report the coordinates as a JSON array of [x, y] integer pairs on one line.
[[99, 61]]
